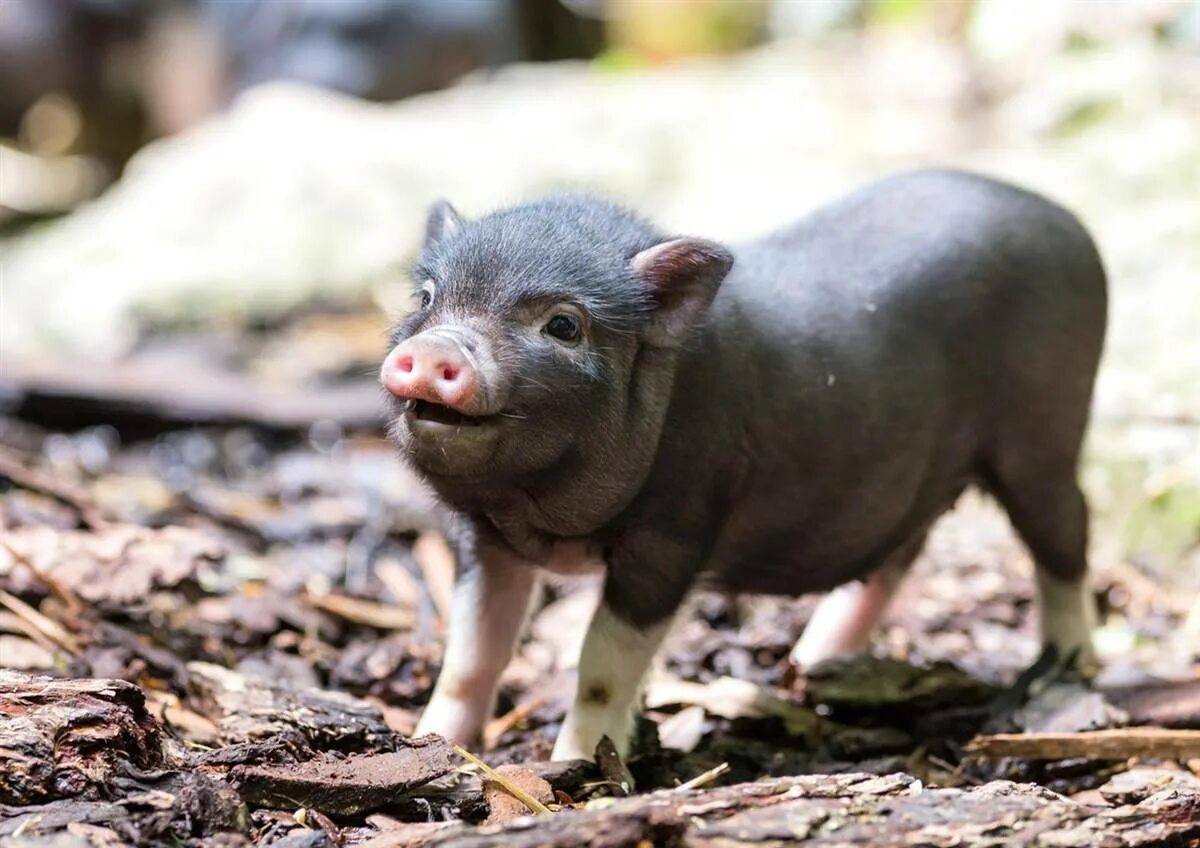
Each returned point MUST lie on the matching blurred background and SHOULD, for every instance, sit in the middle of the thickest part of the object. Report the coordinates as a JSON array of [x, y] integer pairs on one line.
[[207, 207]]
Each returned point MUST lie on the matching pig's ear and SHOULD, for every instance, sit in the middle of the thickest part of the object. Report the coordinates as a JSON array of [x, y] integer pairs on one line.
[[682, 276], [442, 223]]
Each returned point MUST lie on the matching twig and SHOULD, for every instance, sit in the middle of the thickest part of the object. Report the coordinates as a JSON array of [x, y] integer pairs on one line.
[[703, 779], [1114, 744], [534, 805], [497, 727], [68, 494], [359, 611], [404, 587], [65, 594], [14, 623], [49, 628]]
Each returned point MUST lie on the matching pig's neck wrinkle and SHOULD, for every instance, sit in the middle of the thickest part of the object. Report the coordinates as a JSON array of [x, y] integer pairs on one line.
[[512, 525], [562, 501], [602, 475], [589, 486]]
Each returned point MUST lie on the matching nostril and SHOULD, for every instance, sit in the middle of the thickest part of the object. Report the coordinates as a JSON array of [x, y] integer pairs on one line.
[[405, 363], [449, 372]]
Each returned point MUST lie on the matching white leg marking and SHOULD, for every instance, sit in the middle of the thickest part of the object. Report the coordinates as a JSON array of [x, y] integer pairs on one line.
[[1068, 616], [611, 668], [844, 618], [491, 604]]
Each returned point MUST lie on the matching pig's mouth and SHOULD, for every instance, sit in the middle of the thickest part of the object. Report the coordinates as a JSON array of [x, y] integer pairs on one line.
[[424, 410]]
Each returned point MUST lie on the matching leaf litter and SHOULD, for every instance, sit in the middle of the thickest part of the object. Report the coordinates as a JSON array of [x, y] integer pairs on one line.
[[223, 635]]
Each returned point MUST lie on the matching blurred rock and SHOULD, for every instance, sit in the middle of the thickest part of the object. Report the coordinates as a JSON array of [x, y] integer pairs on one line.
[[299, 193], [299, 196]]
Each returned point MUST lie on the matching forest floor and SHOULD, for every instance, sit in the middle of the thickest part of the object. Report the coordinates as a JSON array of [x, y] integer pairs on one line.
[[221, 634], [223, 598]]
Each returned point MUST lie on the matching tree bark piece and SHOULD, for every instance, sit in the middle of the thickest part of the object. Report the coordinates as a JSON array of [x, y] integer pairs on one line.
[[68, 738], [1138, 784], [461, 794], [1114, 744], [246, 711], [894, 811], [865, 684], [344, 785], [1174, 704], [158, 809]]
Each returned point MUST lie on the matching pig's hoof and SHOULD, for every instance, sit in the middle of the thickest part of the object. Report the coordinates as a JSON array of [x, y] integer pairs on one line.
[[456, 721], [1080, 659], [566, 754]]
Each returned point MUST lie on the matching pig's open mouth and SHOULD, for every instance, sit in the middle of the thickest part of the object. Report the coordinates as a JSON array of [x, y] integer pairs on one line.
[[424, 410]]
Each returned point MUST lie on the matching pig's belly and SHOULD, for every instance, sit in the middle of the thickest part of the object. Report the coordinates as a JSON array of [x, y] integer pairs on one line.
[[762, 551]]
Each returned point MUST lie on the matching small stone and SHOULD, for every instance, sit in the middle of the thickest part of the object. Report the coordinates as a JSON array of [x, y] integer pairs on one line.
[[503, 807]]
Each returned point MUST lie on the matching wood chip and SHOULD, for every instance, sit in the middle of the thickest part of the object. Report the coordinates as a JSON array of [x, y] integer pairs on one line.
[[436, 560], [616, 773], [703, 779], [1115, 744], [21, 654], [184, 722], [344, 785], [502, 805], [359, 611], [65, 593], [731, 698], [684, 730], [534, 805], [405, 589]]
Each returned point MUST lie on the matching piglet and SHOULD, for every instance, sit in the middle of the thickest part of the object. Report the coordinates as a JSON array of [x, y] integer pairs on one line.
[[787, 416]]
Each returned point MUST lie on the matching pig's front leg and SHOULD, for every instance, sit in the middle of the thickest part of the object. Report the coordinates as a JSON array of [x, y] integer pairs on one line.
[[615, 657], [647, 579], [491, 603]]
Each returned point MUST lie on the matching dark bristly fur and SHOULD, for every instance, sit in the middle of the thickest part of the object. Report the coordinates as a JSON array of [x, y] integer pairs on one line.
[[783, 417], [855, 372]]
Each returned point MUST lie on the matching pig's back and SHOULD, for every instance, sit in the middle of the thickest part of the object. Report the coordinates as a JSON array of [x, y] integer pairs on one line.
[[858, 364], [934, 248]]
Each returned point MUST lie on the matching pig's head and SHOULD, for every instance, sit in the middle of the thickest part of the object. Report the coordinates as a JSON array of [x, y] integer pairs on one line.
[[543, 342]]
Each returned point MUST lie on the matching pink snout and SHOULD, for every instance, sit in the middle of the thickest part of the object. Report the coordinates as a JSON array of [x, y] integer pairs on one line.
[[432, 368]]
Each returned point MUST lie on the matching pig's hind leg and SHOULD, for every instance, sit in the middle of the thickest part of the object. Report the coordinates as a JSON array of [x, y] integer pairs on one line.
[[1042, 384], [844, 619], [1049, 512]]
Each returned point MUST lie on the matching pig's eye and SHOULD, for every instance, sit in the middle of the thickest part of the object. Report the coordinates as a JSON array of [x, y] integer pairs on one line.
[[425, 295], [565, 328]]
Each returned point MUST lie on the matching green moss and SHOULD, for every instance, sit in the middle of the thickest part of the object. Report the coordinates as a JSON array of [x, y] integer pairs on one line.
[[1083, 116]]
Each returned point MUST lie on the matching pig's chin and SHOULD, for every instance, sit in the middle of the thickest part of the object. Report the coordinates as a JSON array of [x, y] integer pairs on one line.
[[444, 442]]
